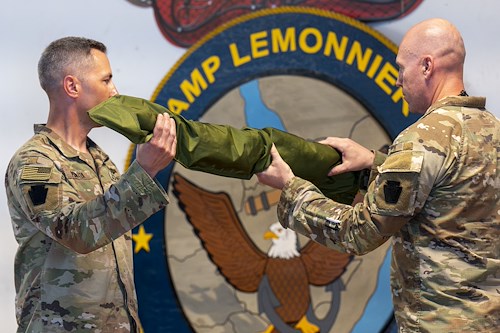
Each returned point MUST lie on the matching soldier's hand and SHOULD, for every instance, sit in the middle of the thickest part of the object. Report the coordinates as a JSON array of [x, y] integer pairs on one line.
[[278, 173], [354, 156], [158, 152]]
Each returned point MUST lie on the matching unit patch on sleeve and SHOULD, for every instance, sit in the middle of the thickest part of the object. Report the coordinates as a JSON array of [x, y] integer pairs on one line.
[[392, 191], [38, 194]]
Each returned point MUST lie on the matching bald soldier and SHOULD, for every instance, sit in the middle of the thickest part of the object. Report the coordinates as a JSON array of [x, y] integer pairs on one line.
[[436, 193]]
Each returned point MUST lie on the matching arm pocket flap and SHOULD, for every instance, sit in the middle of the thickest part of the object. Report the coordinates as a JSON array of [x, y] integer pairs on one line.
[[40, 188], [396, 186]]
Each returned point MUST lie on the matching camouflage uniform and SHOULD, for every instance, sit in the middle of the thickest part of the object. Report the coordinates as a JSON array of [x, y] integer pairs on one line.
[[72, 216], [440, 181]]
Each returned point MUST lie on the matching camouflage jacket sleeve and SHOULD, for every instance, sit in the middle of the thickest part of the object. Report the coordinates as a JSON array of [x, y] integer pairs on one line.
[[344, 228], [80, 221], [402, 183], [373, 171], [399, 185], [388, 204], [377, 161]]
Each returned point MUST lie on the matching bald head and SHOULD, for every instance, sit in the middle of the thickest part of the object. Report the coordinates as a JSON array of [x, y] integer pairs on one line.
[[436, 37], [431, 62]]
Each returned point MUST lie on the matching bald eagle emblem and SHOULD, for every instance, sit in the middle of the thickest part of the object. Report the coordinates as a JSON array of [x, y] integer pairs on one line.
[[281, 277]]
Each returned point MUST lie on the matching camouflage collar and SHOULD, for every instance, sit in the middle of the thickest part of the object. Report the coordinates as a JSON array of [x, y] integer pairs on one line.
[[465, 101], [62, 146]]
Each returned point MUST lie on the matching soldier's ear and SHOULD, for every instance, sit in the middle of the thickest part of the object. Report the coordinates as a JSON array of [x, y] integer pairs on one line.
[[427, 65], [71, 85]]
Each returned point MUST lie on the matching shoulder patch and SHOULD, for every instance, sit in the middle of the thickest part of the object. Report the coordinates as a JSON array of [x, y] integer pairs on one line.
[[396, 186], [392, 191], [408, 145], [38, 194], [34, 172]]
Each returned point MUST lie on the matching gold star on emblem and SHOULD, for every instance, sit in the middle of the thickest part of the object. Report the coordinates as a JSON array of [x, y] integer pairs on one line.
[[141, 240]]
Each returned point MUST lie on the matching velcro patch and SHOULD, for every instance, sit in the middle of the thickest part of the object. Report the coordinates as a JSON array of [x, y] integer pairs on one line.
[[33, 172], [392, 191], [397, 184], [38, 194], [407, 145]]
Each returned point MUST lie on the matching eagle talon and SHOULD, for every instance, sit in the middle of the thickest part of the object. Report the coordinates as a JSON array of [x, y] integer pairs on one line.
[[306, 327], [269, 329]]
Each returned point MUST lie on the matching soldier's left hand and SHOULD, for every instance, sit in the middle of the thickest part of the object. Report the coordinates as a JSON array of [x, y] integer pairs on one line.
[[278, 173]]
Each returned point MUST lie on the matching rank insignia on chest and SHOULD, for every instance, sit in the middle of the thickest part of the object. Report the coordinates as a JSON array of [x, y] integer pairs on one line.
[[392, 191]]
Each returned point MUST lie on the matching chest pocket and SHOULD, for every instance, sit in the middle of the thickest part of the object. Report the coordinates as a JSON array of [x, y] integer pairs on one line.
[[396, 186], [82, 183], [41, 188]]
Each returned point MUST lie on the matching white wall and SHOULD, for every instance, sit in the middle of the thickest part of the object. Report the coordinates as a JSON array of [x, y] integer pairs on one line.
[[141, 57]]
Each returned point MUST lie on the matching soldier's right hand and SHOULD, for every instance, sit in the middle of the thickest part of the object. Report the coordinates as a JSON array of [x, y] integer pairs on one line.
[[354, 156], [158, 152]]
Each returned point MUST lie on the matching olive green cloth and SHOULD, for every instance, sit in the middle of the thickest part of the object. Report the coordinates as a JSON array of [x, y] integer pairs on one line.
[[227, 151]]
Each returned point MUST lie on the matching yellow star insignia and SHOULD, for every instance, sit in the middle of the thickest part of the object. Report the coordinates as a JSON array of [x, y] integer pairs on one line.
[[141, 240]]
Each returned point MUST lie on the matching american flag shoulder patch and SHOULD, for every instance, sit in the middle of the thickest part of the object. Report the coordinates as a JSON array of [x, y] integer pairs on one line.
[[34, 172]]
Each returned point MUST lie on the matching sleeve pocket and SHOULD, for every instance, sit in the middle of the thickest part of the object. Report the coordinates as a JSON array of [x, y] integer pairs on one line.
[[396, 186], [41, 195]]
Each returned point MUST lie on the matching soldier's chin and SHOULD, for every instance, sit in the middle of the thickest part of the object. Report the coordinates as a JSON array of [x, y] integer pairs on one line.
[[416, 110], [410, 108]]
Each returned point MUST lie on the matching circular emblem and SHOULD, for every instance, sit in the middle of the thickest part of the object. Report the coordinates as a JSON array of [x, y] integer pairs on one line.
[[216, 260]]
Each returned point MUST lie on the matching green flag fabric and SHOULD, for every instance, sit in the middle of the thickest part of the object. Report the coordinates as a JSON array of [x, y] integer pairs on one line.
[[227, 151]]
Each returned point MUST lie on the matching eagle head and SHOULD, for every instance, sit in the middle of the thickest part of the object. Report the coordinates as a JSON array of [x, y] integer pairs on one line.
[[284, 242]]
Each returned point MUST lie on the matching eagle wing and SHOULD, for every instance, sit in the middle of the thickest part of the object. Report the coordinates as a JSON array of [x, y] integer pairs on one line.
[[217, 224], [323, 265]]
